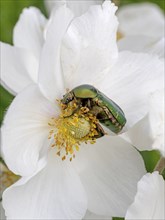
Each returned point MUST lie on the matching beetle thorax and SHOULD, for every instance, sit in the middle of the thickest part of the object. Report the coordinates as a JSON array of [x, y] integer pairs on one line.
[[72, 128]]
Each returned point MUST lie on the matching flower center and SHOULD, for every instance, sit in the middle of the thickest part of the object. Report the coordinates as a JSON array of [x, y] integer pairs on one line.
[[74, 126]]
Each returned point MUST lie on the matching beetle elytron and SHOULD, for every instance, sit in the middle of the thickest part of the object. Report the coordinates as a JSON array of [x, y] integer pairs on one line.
[[106, 111]]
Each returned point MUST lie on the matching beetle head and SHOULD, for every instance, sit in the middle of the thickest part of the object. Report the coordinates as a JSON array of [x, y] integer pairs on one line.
[[68, 97]]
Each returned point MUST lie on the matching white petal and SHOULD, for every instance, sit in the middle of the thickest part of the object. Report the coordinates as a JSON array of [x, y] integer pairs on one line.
[[78, 7], [54, 193], [89, 46], [140, 135], [158, 48], [142, 44], [28, 32], [156, 117], [18, 68], [141, 19], [130, 82], [109, 170], [2, 211], [148, 133], [51, 77], [135, 43], [53, 4], [25, 131], [149, 201]]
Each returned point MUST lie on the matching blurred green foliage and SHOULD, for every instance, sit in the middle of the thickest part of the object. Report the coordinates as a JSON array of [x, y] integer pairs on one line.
[[10, 11]]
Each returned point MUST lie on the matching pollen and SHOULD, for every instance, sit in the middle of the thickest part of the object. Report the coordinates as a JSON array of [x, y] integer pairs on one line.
[[71, 128]]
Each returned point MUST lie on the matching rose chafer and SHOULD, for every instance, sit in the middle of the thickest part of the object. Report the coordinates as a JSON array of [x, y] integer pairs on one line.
[[106, 111]]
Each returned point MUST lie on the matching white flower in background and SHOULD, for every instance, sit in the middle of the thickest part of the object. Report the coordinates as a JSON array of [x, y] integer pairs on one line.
[[143, 44], [142, 27], [149, 201], [148, 133], [103, 176], [145, 19]]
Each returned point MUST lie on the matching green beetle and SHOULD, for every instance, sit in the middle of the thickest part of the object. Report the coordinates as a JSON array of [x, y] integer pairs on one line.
[[106, 111]]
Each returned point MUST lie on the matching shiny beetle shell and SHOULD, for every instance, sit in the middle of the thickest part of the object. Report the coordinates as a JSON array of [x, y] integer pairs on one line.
[[106, 111]]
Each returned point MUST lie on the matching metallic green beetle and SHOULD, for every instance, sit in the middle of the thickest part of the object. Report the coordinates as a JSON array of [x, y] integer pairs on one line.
[[106, 111]]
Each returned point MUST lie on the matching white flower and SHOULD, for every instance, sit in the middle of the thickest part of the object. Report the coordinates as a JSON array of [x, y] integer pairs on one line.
[[142, 26], [149, 201], [145, 19], [102, 178]]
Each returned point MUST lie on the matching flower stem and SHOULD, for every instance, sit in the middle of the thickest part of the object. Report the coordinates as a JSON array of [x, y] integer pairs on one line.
[[160, 166]]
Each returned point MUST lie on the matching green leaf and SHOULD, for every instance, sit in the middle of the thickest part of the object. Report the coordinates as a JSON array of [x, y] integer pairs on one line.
[[150, 159], [5, 100], [117, 218]]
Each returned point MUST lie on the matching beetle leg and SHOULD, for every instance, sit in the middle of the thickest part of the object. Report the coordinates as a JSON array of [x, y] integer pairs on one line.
[[95, 110], [110, 116], [107, 112], [100, 131], [89, 104]]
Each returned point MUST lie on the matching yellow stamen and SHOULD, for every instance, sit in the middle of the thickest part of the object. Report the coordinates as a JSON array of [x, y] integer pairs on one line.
[[74, 126]]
